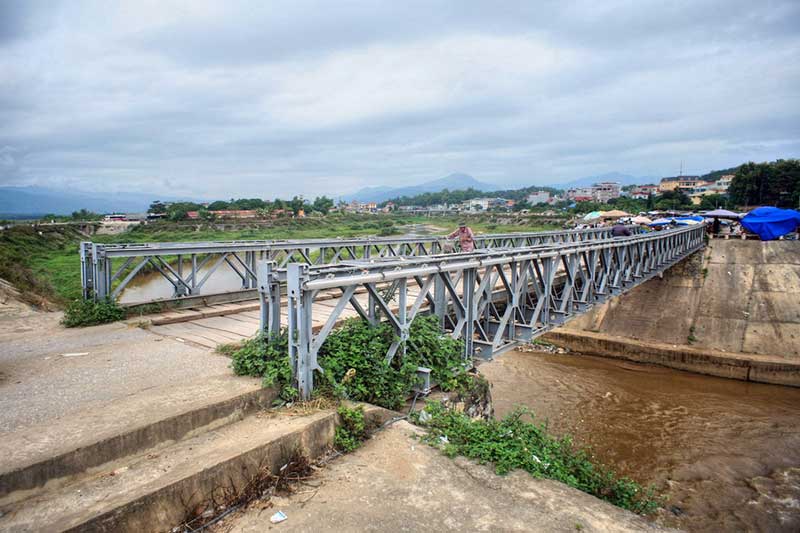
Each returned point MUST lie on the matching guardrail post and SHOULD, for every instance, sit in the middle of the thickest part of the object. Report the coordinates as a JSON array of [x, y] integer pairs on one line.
[[300, 328], [86, 270], [269, 296], [468, 294]]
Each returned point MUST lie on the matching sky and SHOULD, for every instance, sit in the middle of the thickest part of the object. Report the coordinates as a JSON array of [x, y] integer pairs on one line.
[[271, 98]]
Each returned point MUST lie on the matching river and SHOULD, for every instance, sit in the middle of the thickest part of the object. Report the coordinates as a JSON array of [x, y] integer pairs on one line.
[[724, 453]]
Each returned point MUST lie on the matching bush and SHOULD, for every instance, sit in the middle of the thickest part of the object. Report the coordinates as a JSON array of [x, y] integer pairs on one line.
[[267, 358], [353, 429], [353, 359], [80, 313], [512, 443]]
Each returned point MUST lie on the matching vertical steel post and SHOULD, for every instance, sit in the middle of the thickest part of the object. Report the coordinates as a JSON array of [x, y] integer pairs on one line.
[[468, 294], [300, 328]]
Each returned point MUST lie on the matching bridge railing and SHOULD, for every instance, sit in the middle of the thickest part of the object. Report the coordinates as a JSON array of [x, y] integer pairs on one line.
[[492, 299], [108, 269]]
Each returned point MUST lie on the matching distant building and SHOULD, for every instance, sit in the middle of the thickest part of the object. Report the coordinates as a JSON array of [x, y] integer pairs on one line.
[[668, 184], [599, 192], [538, 197], [580, 194], [605, 191], [642, 192]]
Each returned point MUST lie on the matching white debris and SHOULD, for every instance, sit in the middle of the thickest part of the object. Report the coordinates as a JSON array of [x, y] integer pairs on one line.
[[75, 354], [278, 517]]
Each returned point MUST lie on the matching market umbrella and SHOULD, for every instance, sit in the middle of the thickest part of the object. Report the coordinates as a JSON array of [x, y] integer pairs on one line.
[[592, 216], [721, 213], [641, 220], [615, 213], [661, 222]]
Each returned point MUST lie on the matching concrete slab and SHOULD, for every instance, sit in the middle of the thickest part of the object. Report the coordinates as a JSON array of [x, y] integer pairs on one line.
[[155, 490], [725, 291], [777, 277], [395, 483], [736, 252], [725, 334], [786, 252], [778, 338], [769, 306]]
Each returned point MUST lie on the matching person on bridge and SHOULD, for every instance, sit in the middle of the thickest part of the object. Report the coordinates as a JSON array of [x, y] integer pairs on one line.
[[620, 230], [465, 237]]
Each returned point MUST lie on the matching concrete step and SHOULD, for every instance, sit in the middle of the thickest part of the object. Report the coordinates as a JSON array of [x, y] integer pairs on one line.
[[156, 490], [43, 457]]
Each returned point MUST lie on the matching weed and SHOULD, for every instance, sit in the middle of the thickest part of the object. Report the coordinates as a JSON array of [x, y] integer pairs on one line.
[[705, 273], [80, 313], [353, 428], [691, 338], [513, 443]]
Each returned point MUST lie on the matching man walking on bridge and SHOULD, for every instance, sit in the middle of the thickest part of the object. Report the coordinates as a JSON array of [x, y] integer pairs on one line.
[[465, 237]]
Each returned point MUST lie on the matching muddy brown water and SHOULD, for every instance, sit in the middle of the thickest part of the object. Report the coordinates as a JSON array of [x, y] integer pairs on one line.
[[725, 454]]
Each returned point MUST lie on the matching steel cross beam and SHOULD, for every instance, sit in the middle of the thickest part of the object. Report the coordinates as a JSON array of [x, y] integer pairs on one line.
[[493, 299], [188, 266]]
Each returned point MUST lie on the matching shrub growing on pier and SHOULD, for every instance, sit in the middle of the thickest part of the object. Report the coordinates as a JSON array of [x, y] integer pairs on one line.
[[353, 359]]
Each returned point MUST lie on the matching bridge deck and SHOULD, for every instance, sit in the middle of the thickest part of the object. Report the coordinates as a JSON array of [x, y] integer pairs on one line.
[[228, 323]]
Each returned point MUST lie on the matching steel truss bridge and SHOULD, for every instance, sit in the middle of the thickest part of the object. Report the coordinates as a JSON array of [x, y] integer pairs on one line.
[[107, 269], [492, 299]]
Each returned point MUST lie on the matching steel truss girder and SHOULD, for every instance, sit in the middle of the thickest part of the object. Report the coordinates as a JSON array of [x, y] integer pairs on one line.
[[194, 263], [492, 300]]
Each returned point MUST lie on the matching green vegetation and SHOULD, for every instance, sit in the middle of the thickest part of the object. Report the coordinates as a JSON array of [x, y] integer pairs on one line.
[[80, 313], [776, 183], [177, 211], [353, 429], [513, 443], [42, 263], [354, 365]]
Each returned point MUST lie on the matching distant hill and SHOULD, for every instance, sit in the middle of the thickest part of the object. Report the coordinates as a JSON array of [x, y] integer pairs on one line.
[[623, 179], [451, 182], [38, 201]]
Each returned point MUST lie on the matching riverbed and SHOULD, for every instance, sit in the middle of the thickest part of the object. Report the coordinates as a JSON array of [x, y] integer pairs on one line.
[[725, 454]]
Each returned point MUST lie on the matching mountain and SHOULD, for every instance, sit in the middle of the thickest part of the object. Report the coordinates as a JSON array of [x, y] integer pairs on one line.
[[451, 182], [623, 179], [38, 201]]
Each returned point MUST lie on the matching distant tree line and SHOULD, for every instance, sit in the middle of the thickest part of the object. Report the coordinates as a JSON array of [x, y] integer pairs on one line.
[[458, 196], [179, 210]]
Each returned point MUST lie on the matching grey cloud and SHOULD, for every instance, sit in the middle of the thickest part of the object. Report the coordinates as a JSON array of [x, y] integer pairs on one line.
[[292, 97]]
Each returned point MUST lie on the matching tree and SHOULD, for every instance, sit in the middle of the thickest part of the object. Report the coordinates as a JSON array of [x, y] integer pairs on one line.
[[776, 183], [296, 204], [219, 205], [157, 207], [322, 204], [714, 201], [672, 200], [85, 214]]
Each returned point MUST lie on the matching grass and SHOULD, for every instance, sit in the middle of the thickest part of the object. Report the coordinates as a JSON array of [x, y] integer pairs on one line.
[[46, 266]]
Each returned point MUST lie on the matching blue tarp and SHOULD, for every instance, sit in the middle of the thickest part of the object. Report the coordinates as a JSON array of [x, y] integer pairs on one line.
[[770, 222], [688, 220]]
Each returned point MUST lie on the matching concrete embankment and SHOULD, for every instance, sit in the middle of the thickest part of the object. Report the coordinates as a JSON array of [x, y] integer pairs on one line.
[[396, 483], [732, 310]]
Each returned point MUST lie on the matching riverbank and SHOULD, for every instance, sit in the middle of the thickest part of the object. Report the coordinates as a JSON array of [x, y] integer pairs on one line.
[[724, 454], [395, 483]]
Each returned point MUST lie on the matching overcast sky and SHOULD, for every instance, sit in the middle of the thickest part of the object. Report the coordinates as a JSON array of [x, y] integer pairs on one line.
[[266, 98]]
